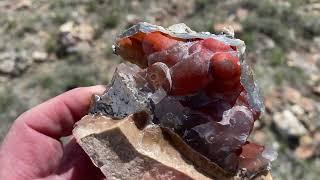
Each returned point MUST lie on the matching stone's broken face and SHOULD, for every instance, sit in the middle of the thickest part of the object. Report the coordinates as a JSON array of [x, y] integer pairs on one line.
[[211, 99]]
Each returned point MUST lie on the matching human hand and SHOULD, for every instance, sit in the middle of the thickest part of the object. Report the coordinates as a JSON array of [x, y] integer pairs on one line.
[[32, 149]]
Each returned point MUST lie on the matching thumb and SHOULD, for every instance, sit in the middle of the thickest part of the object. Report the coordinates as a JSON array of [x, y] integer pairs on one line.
[[75, 164]]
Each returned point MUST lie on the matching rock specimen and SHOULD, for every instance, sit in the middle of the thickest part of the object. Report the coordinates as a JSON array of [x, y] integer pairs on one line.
[[197, 88]]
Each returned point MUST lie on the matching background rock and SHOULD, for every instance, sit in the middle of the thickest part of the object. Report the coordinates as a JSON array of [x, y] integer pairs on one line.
[[288, 124]]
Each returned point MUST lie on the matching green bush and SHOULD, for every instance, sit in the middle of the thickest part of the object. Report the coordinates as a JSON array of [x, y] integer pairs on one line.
[[7, 99], [68, 75], [51, 44], [271, 27], [110, 20], [277, 56], [249, 39], [311, 26]]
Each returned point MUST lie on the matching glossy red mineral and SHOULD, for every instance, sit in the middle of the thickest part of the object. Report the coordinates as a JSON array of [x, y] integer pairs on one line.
[[211, 100]]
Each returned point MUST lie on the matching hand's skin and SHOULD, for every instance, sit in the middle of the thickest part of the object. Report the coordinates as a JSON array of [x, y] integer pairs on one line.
[[32, 150]]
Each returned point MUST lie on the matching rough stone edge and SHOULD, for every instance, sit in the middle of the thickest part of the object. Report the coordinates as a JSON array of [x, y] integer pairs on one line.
[[94, 125]]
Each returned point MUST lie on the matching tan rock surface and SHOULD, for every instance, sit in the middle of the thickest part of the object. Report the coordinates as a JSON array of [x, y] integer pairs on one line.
[[125, 149], [122, 151]]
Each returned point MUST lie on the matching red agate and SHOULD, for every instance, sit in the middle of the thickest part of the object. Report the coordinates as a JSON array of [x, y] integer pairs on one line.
[[211, 99]]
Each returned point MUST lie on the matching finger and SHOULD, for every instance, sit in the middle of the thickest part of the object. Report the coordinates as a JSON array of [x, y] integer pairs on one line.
[[31, 144], [56, 117], [75, 164]]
